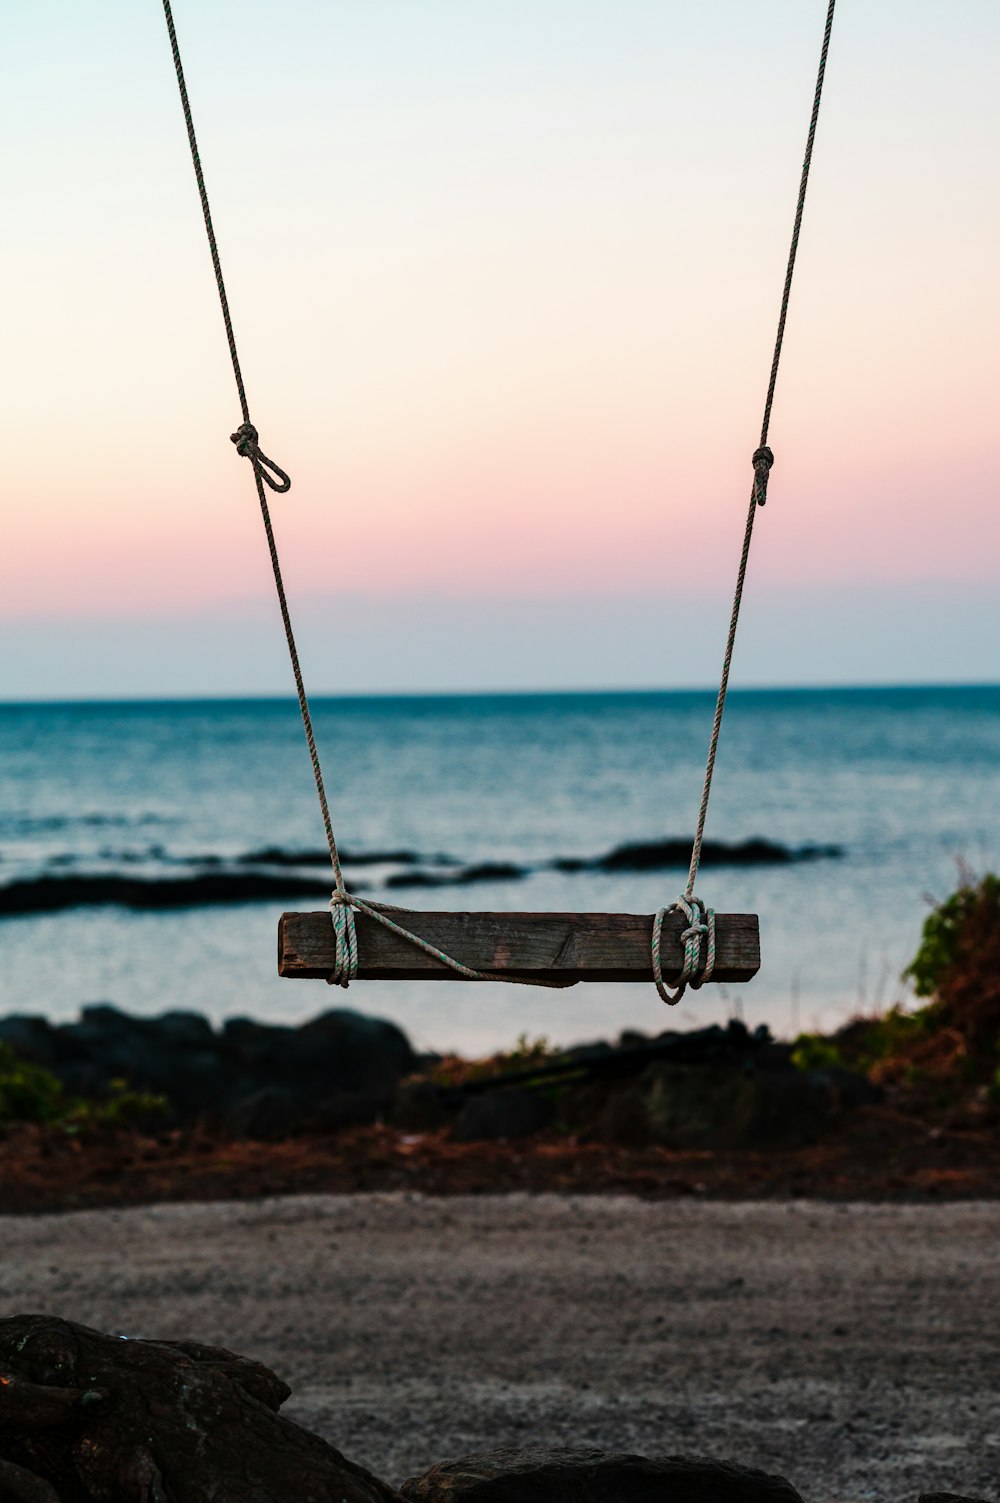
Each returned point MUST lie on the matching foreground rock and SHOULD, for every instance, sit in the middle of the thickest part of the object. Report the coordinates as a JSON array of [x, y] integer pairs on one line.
[[540, 1474], [85, 1416]]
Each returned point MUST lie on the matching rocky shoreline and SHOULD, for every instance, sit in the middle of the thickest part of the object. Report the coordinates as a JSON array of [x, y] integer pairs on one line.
[[712, 1088]]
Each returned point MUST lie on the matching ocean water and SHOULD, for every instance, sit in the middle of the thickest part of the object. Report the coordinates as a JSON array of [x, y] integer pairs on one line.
[[905, 781]]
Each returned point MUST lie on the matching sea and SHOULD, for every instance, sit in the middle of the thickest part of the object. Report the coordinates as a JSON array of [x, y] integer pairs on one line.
[[874, 800]]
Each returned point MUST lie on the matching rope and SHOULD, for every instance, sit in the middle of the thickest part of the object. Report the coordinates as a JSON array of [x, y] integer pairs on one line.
[[700, 921], [266, 472], [763, 459]]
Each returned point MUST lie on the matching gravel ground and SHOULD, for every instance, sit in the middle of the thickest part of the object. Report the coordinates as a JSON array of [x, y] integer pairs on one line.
[[852, 1348]]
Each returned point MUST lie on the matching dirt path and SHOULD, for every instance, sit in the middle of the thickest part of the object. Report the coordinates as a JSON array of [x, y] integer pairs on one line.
[[851, 1347]]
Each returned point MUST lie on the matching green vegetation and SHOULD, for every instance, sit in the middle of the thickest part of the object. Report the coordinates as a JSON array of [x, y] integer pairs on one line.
[[811, 1051], [29, 1093], [949, 1049], [526, 1054], [947, 930]]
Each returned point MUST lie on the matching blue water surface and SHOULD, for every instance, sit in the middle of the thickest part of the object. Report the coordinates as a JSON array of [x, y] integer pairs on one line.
[[906, 780]]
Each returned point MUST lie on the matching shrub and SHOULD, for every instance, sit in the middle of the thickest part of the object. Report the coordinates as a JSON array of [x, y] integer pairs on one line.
[[29, 1093], [962, 922], [811, 1051]]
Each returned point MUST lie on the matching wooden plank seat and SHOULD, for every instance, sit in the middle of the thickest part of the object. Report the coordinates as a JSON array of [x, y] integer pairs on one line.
[[561, 948]]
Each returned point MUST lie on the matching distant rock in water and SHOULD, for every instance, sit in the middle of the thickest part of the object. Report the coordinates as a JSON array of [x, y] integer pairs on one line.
[[486, 871], [660, 855], [52, 894], [275, 856]]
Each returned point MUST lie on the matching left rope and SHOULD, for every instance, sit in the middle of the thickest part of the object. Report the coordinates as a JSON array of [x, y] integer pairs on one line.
[[343, 904]]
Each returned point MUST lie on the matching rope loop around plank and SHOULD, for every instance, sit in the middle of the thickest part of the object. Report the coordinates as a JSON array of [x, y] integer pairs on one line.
[[694, 971]]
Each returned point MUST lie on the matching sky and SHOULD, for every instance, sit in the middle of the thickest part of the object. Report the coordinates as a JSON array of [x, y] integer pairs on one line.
[[505, 281]]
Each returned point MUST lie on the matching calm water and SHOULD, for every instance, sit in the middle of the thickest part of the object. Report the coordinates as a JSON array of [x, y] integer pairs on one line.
[[906, 780]]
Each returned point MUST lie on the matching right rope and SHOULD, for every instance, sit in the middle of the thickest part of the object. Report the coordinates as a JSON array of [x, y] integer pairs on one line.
[[700, 919]]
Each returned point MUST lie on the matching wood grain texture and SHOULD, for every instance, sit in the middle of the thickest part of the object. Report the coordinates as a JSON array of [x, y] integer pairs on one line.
[[560, 947]]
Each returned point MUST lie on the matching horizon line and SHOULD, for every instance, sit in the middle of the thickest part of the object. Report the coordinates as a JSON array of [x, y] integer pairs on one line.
[[894, 686]]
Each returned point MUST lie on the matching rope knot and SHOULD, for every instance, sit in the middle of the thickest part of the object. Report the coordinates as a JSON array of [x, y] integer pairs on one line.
[[345, 940], [245, 439], [763, 459], [694, 971]]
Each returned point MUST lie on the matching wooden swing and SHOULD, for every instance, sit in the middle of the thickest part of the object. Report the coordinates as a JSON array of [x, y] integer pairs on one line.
[[685, 943]]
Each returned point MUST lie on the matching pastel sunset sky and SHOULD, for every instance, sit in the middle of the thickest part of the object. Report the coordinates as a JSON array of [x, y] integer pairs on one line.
[[505, 277]]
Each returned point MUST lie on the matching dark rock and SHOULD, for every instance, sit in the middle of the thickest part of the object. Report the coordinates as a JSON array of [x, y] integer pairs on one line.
[[656, 855], [702, 1106], [491, 871], [774, 1056], [52, 894], [345, 1109], [791, 1110], [420, 1106], [144, 1420], [486, 871], [253, 1377], [949, 1498], [183, 1030], [542, 1474], [339, 1069], [510, 1113], [276, 856], [31, 1038], [196, 1083], [845, 1088], [355, 1052], [341, 1050], [267, 1115], [20, 1486]]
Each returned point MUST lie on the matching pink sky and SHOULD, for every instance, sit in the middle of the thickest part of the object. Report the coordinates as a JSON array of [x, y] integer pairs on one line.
[[505, 293]]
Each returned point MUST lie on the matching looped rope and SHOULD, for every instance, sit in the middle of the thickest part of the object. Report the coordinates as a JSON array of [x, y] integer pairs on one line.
[[693, 973], [763, 459], [245, 439], [345, 939]]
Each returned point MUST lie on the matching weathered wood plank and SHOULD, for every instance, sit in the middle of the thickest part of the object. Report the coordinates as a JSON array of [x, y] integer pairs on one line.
[[561, 947]]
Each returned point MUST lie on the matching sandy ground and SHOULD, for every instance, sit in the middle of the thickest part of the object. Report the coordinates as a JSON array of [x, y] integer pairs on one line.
[[852, 1348]]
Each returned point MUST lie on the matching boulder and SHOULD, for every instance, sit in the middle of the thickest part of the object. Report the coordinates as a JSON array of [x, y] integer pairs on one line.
[[510, 1113], [261, 1079], [542, 1474], [30, 1037], [341, 1050], [948, 1498], [420, 1105], [705, 1106], [17, 1485], [264, 1116], [86, 1416]]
